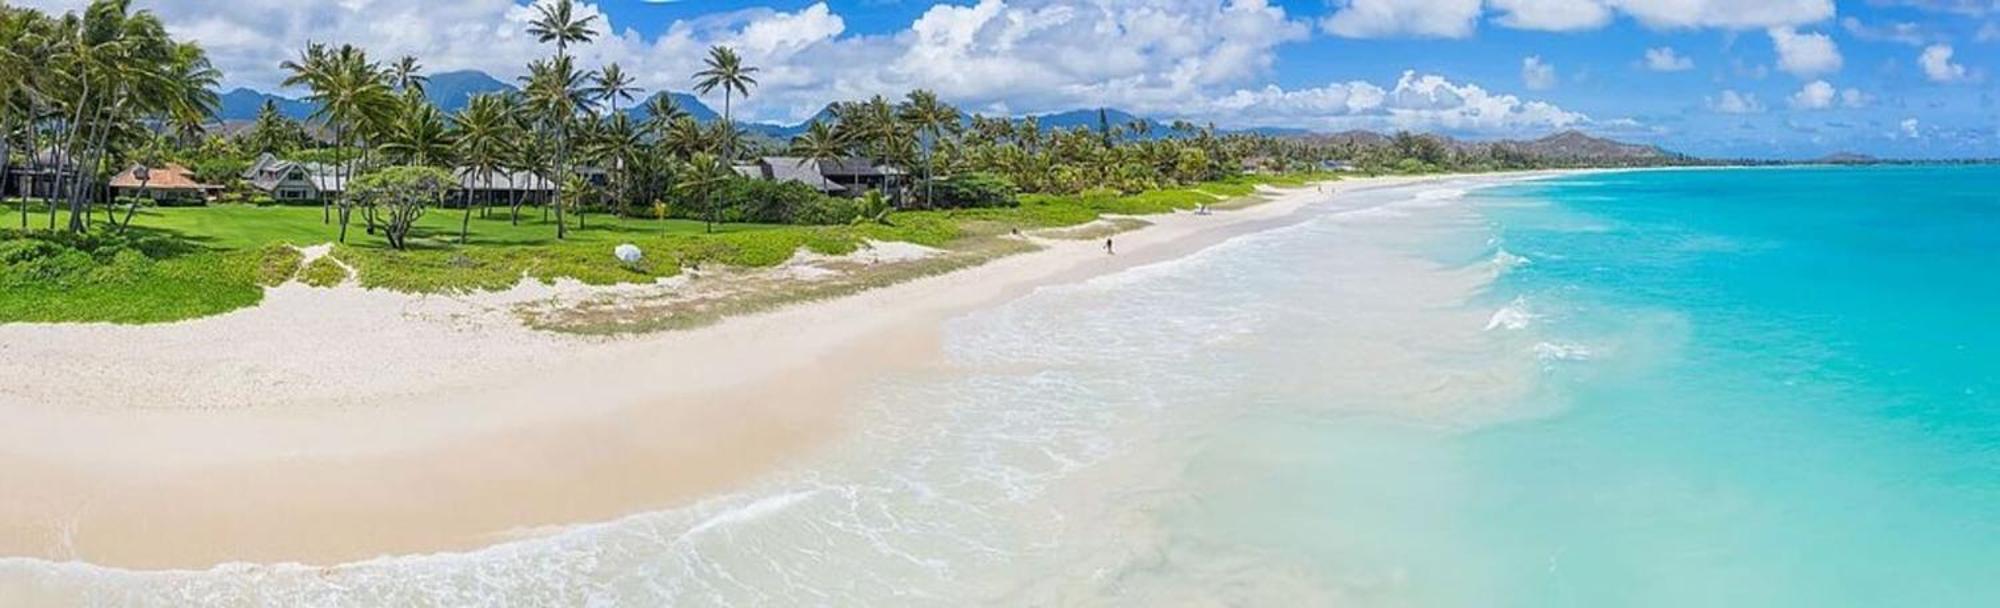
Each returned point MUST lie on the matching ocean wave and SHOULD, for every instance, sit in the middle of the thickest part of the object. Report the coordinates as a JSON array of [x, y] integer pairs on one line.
[[1514, 316], [1439, 194], [1562, 351], [1505, 260]]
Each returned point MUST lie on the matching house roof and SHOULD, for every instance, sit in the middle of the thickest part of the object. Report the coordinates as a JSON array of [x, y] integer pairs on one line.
[[469, 179], [169, 177], [796, 169], [48, 160], [268, 171], [856, 167]]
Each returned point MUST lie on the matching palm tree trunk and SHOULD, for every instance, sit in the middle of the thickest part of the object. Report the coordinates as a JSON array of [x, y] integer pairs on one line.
[[465, 223], [562, 159], [325, 202]]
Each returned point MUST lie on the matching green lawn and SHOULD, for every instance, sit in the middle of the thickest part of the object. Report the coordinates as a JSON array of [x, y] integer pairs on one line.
[[227, 253], [248, 226]]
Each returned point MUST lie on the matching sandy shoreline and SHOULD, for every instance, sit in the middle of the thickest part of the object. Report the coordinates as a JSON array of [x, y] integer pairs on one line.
[[332, 426]]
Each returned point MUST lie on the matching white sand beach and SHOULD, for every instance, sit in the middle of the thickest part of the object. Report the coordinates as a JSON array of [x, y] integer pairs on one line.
[[330, 425]]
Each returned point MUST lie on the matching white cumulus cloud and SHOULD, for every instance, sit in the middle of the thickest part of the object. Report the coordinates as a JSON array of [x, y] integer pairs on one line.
[[1536, 75], [1725, 14], [1730, 101], [1665, 59], [1388, 18], [1937, 64], [1552, 15], [1816, 95], [1804, 54], [1416, 101], [1199, 59], [1459, 18], [1854, 98]]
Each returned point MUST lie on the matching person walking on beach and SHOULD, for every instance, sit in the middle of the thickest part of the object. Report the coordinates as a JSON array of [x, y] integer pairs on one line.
[[1107, 248]]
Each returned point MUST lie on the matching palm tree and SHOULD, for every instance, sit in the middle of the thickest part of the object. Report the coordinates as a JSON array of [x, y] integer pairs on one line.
[[683, 137], [351, 96], [726, 71], [554, 94], [482, 134], [619, 143], [613, 84], [14, 87], [194, 101], [407, 75], [557, 22], [931, 119], [271, 133], [819, 142], [699, 179], [419, 134], [114, 57]]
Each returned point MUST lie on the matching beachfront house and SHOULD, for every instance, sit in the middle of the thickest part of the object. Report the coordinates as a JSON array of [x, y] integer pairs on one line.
[[45, 174], [839, 177], [503, 187], [286, 180], [169, 183]]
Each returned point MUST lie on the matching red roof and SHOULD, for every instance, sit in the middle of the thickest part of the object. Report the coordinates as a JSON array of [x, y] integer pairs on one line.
[[170, 177]]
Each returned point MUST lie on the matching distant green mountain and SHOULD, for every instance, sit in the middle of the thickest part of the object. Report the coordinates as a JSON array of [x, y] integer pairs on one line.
[[452, 90], [697, 110], [243, 104]]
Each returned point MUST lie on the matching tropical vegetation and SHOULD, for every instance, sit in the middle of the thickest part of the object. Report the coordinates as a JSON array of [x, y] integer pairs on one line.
[[86, 94]]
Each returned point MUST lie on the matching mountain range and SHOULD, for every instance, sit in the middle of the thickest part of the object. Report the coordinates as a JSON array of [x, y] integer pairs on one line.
[[452, 90]]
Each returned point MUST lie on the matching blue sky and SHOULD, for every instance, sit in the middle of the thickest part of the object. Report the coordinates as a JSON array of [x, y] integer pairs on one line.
[[1767, 78]]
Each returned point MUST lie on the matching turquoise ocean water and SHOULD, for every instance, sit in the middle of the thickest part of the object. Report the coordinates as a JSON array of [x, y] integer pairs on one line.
[[1676, 388], [1763, 388]]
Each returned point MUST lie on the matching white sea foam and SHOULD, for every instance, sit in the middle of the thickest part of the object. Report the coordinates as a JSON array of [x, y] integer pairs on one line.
[[1506, 260], [1512, 317], [1439, 194], [1562, 351]]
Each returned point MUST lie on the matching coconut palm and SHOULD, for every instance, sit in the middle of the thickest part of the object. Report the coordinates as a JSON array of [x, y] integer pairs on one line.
[[272, 132], [194, 99], [554, 95], [419, 134], [931, 119], [700, 178], [619, 143], [683, 137], [350, 96], [482, 134], [819, 143], [611, 85], [407, 75], [112, 59], [725, 71], [557, 23]]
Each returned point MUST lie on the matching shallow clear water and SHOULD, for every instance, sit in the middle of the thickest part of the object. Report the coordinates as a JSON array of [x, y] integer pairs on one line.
[[1766, 388]]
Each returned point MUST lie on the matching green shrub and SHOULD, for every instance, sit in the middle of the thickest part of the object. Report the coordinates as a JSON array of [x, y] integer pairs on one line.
[[323, 272], [766, 202], [219, 170], [66, 277], [975, 190], [277, 263]]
